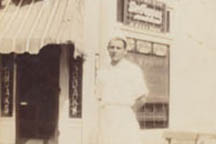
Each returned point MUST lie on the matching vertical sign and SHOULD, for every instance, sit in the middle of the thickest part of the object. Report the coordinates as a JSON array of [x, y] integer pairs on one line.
[[75, 84], [6, 74]]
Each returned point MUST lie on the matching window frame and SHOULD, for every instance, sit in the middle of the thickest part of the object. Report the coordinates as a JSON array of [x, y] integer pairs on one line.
[[154, 101]]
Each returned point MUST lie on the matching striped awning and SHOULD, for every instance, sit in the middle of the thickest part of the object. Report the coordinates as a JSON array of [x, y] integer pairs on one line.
[[27, 28]]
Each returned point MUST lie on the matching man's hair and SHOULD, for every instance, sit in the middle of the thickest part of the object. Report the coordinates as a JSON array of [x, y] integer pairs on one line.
[[121, 39]]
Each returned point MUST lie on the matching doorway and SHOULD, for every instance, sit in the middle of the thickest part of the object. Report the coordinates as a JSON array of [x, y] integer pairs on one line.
[[38, 95]]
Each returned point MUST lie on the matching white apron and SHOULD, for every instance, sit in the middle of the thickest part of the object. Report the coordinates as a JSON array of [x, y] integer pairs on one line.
[[120, 86]]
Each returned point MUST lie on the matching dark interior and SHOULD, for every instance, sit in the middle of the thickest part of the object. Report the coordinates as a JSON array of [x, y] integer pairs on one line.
[[38, 93], [23, 2]]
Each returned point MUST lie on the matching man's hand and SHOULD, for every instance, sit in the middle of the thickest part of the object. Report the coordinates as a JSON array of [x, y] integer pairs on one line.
[[139, 103]]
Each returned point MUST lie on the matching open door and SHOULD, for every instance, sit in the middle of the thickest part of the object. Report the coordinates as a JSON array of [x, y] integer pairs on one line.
[[38, 95]]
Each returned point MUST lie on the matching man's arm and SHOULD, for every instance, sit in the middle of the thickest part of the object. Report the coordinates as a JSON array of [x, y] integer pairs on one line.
[[141, 90], [139, 102]]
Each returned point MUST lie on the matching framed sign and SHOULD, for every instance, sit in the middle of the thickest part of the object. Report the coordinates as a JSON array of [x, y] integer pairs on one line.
[[145, 14]]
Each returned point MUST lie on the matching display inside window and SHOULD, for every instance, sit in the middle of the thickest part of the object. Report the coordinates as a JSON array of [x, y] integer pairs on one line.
[[147, 47], [144, 47], [153, 59], [131, 44], [160, 50], [6, 76], [75, 84]]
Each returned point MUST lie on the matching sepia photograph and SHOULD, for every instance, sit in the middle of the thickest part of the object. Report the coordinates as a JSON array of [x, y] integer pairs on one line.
[[107, 72]]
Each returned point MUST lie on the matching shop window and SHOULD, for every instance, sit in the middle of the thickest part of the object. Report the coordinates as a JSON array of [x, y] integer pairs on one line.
[[153, 58], [6, 85], [149, 15], [75, 84]]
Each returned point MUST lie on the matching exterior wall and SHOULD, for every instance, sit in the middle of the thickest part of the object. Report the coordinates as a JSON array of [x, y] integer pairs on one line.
[[69, 129], [192, 58], [108, 15], [193, 72], [7, 131], [91, 44]]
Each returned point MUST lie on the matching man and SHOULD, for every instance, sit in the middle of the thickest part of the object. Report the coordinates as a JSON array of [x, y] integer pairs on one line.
[[121, 85]]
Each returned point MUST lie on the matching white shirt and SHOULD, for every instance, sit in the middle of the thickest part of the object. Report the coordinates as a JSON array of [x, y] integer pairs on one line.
[[121, 84]]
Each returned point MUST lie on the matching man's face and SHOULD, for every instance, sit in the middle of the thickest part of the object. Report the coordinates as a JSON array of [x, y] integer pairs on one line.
[[116, 50]]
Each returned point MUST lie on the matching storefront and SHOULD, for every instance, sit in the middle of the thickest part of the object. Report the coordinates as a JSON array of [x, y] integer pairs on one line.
[[55, 49], [47, 75], [166, 41], [147, 26]]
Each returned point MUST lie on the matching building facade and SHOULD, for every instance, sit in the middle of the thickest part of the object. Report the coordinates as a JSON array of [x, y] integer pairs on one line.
[[45, 71], [50, 54]]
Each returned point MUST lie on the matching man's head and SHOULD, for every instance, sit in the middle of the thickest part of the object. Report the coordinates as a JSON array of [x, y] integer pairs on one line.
[[117, 49]]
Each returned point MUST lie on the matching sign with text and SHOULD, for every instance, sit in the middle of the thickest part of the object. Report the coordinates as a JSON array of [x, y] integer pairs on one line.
[[144, 13], [6, 73], [147, 14]]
